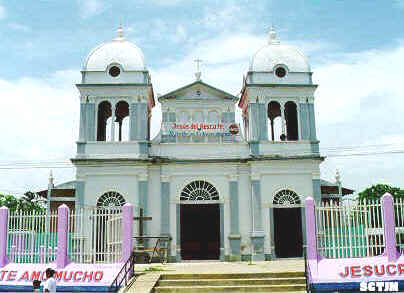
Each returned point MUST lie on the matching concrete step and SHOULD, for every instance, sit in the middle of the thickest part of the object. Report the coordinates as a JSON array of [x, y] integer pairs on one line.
[[213, 289], [231, 282], [232, 276]]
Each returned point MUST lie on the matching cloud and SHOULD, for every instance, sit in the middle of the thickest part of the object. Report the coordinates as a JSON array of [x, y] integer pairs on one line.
[[40, 124], [359, 102], [90, 8], [2, 12]]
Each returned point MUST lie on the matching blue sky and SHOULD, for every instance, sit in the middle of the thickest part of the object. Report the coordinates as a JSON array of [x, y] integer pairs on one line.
[[356, 49]]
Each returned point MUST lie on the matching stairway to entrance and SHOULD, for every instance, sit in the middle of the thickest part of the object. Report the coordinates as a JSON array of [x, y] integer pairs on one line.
[[235, 282]]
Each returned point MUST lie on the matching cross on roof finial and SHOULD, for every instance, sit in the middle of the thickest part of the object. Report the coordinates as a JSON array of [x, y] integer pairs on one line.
[[198, 71], [119, 32], [273, 39]]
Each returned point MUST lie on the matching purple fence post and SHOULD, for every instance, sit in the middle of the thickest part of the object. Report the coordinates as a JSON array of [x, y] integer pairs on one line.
[[3, 236], [311, 241], [63, 217], [127, 231], [389, 227]]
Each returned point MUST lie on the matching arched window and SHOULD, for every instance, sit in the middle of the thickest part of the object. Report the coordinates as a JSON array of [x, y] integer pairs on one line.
[[291, 121], [111, 199], [183, 117], [122, 121], [286, 198], [199, 190], [104, 112], [213, 118], [197, 118], [275, 121]]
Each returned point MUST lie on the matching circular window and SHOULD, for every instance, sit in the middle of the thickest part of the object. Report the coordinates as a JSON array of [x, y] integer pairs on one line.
[[280, 72], [114, 71]]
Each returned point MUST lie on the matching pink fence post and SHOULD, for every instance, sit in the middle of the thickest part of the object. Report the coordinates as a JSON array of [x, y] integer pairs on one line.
[[311, 241], [389, 227], [127, 231], [63, 217], [3, 236]]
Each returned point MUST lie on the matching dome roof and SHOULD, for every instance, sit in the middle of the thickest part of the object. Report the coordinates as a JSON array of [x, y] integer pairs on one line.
[[275, 53], [118, 50]]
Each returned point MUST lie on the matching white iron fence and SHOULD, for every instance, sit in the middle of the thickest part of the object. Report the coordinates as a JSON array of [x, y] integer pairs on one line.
[[95, 235], [350, 229], [32, 237]]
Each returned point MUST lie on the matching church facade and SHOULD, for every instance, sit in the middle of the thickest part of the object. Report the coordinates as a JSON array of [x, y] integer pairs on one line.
[[221, 189]]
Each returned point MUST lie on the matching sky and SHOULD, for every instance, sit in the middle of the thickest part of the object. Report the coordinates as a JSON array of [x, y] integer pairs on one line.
[[355, 48]]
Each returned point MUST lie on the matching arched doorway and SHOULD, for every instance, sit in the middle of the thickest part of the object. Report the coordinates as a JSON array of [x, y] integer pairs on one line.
[[200, 221], [287, 224], [108, 207]]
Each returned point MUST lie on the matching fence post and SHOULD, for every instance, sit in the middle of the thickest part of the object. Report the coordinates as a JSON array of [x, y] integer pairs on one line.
[[389, 227], [3, 236], [63, 218], [311, 241], [127, 231]]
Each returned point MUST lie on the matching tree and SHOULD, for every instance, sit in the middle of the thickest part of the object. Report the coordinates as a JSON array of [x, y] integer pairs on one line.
[[378, 190], [20, 204]]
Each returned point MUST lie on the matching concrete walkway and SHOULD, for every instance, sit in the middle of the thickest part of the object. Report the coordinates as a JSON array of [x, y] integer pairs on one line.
[[146, 282]]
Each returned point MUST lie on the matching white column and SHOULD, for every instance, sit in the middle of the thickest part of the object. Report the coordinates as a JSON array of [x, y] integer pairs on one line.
[[283, 118], [113, 123]]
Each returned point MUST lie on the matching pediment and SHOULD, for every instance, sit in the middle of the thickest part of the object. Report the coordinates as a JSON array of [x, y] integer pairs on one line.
[[199, 91]]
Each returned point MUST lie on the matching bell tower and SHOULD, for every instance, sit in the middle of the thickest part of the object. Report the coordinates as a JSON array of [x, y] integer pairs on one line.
[[277, 98], [116, 98]]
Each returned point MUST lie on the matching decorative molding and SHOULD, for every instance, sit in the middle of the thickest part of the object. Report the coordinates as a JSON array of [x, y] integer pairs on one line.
[[316, 174], [165, 178], [142, 177], [233, 177], [255, 176]]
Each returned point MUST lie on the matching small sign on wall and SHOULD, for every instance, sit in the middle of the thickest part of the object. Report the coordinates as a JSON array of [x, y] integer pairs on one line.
[[200, 129]]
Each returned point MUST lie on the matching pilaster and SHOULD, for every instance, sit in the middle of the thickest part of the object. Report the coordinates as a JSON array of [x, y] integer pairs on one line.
[[257, 234], [165, 206], [234, 237]]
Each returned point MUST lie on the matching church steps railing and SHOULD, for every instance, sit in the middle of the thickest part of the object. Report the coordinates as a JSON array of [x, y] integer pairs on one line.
[[125, 274]]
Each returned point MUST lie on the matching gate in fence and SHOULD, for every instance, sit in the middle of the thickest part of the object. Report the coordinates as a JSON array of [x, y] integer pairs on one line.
[[96, 235]]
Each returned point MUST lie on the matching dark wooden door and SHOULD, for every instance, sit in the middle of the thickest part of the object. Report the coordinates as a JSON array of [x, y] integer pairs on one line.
[[200, 231], [288, 232]]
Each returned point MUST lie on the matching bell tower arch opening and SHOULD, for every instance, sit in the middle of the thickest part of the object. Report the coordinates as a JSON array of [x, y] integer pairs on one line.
[[200, 221], [291, 121], [122, 121], [104, 113], [275, 121]]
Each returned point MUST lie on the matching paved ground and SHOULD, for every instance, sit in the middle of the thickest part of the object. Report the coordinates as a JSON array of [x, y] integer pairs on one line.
[[145, 282]]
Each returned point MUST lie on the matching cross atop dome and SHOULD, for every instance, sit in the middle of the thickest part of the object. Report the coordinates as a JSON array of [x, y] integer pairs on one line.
[[119, 32], [273, 39]]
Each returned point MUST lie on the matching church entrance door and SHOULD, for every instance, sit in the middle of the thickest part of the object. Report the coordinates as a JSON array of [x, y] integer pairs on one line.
[[288, 232], [200, 231]]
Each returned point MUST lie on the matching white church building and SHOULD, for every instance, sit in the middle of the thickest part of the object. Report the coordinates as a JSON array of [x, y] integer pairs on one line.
[[217, 187]]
